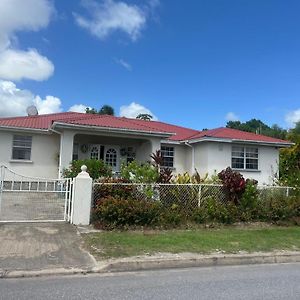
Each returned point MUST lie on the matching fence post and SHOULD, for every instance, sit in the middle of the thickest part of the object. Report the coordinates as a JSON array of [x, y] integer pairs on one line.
[[82, 198], [199, 195], [287, 191]]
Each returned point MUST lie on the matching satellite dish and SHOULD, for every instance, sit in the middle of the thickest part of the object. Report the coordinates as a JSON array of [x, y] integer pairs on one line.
[[32, 111]]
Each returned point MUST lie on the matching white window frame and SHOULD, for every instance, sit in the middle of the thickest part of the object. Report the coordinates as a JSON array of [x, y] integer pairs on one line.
[[163, 152], [245, 157], [21, 138]]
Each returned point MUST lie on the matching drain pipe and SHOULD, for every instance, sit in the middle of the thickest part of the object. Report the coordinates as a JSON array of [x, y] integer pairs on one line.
[[193, 155]]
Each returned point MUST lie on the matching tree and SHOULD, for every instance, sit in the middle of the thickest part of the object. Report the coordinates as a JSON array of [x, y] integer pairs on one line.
[[259, 127], [91, 111], [104, 110], [145, 117]]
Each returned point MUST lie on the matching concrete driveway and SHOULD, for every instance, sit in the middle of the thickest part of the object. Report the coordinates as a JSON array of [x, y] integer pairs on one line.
[[40, 246]]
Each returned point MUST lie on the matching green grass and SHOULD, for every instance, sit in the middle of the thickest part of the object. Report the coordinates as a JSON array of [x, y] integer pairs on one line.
[[229, 239]]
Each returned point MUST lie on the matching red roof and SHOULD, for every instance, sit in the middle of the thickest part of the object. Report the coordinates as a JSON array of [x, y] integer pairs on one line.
[[234, 134], [178, 133]]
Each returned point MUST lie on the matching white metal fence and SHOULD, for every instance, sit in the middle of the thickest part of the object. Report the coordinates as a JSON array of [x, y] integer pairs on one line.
[[186, 196], [33, 199]]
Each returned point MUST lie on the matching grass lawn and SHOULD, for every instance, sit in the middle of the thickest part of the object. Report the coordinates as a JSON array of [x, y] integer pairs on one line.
[[228, 239]]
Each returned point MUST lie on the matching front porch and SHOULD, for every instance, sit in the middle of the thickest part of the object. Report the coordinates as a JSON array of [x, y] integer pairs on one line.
[[113, 150]]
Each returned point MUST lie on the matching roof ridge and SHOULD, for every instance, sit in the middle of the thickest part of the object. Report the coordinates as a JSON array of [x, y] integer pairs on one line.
[[38, 116], [136, 122], [177, 126]]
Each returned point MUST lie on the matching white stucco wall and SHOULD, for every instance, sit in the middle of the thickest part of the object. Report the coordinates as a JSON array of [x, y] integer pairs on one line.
[[44, 155], [211, 157], [182, 159]]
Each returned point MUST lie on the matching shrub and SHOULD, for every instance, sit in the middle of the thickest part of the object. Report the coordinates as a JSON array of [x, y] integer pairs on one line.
[[113, 213], [279, 208], [215, 211], [139, 173], [234, 183], [172, 216], [95, 168], [114, 187]]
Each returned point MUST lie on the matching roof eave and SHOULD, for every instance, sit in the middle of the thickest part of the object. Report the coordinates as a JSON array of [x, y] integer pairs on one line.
[[111, 129], [26, 129], [227, 140]]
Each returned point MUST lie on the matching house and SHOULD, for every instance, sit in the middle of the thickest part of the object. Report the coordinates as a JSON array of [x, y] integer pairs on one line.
[[43, 145]]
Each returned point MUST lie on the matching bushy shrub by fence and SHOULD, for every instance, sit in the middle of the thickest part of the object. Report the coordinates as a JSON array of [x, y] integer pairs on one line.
[[120, 205]]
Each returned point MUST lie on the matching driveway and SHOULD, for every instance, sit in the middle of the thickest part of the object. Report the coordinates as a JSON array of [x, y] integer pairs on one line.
[[39, 246]]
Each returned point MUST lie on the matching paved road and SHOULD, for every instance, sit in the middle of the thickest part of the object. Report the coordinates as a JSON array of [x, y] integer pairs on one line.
[[245, 282]]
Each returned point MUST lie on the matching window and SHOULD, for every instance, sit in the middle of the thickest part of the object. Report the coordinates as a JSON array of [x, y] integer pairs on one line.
[[168, 156], [130, 154], [21, 148], [111, 157], [97, 152], [244, 158], [75, 151]]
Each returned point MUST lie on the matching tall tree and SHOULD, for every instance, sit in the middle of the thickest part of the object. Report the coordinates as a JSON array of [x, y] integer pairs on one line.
[[145, 117]]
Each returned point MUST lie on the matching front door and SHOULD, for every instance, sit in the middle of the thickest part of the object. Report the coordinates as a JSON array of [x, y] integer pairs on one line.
[[112, 157]]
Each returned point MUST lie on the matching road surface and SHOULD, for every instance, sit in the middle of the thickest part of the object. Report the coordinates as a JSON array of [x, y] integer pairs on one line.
[[265, 282]]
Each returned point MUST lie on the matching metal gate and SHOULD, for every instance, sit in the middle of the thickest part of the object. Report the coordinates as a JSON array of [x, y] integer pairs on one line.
[[32, 199]]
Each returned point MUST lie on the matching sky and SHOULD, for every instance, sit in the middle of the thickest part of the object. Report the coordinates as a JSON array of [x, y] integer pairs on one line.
[[196, 63]]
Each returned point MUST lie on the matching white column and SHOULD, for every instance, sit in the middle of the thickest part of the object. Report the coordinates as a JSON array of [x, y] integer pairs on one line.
[[66, 150], [155, 145], [82, 198]]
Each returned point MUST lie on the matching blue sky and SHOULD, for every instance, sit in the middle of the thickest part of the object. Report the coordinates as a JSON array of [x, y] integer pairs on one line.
[[193, 63]]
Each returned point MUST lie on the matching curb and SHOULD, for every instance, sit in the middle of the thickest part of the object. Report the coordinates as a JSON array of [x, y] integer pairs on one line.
[[161, 262], [153, 263]]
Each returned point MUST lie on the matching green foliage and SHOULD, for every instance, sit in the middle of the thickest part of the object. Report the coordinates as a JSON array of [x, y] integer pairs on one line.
[[257, 126], [96, 168], [214, 211], [104, 110], [279, 208], [112, 213], [139, 173], [289, 165]]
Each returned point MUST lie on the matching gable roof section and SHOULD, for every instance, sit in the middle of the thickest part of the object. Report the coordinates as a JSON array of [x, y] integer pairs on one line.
[[234, 134], [178, 133]]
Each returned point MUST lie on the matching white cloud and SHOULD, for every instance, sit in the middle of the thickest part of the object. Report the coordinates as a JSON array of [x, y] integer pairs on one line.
[[16, 16], [109, 16], [78, 108], [16, 65], [293, 117], [14, 101], [231, 116], [134, 109], [124, 64], [48, 105]]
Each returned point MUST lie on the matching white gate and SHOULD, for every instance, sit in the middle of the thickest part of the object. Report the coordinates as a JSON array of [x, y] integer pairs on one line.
[[30, 199]]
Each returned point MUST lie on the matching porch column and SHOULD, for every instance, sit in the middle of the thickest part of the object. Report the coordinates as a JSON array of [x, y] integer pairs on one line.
[[155, 145], [66, 150]]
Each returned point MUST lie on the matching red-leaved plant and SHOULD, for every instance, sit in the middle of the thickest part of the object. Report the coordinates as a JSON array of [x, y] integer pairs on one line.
[[165, 174], [234, 184]]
